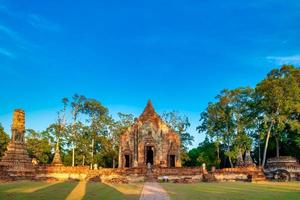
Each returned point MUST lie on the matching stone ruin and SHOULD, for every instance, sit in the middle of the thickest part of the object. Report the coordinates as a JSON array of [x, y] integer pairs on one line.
[[15, 163], [149, 141], [283, 168], [247, 162], [57, 159]]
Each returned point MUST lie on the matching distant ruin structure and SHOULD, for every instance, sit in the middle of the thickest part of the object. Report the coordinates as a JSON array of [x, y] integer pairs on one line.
[[149, 141], [57, 159], [15, 163]]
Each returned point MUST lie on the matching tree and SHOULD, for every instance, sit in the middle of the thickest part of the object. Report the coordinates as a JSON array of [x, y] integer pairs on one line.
[[99, 121], [56, 132], [206, 153], [279, 97], [4, 140], [227, 121], [118, 127], [77, 106], [38, 146], [180, 124]]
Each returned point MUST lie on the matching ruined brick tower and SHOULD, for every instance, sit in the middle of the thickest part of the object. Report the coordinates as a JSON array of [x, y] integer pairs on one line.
[[149, 140], [15, 163]]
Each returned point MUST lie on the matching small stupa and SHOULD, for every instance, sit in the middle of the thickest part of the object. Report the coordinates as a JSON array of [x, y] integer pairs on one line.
[[15, 163], [57, 159]]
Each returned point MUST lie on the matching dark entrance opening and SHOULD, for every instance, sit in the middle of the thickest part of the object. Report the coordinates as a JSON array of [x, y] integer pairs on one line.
[[149, 155], [172, 161], [127, 161]]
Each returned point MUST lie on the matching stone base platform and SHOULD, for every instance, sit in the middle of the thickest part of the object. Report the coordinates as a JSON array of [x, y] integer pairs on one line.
[[16, 164]]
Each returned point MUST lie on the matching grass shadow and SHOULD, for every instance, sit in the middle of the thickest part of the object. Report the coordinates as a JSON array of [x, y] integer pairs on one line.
[[43, 191]]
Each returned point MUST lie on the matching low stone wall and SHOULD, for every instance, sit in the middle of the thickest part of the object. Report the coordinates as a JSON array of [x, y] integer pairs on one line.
[[180, 171], [195, 174], [132, 174], [250, 174]]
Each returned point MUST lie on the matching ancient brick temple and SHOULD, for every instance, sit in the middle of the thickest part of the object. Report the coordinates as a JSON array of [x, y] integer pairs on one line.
[[149, 140], [15, 163]]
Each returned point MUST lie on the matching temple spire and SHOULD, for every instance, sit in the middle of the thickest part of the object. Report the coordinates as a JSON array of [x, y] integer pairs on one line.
[[149, 110]]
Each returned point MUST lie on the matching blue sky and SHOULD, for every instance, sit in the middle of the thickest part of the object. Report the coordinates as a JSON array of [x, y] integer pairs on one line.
[[180, 54]]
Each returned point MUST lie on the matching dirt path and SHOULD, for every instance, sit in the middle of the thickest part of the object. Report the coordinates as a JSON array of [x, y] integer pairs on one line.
[[78, 192], [153, 191]]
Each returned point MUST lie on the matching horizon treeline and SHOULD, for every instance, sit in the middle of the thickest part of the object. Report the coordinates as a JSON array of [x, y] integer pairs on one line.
[[263, 121]]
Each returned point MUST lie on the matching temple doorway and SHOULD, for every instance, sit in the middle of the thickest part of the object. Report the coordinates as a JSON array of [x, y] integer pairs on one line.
[[149, 154], [127, 162], [171, 160]]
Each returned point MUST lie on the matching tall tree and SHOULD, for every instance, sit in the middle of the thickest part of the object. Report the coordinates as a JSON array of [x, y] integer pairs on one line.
[[77, 106], [98, 120], [56, 132], [279, 98], [118, 127], [227, 120], [180, 124]]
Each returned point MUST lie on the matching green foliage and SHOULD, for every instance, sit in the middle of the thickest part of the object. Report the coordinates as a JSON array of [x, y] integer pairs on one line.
[[179, 124], [206, 152], [278, 102], [38, 146], [227, 121], [4, 140], [242, 115]]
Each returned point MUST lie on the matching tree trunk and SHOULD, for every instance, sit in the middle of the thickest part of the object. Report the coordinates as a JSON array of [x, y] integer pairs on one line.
[[73, 157], [229, 157], [259, 152], [267, 143], [230, 161], [114, 162], [277, 147], [83, 160], [93, 141], [218, 154]]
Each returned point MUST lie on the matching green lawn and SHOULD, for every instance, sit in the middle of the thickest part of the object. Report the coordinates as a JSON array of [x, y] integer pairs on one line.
[[35, 190], [233, 191], [60, 190], [208, 191], [113, 192]]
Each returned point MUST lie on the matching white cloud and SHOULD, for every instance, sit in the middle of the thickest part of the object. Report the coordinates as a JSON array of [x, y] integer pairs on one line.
[[293, 59], [40, 22]]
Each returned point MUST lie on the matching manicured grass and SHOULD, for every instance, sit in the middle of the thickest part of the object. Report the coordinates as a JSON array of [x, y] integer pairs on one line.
[[35, 190], [208, 191], [60, 190], [234, 191], [113, 192]]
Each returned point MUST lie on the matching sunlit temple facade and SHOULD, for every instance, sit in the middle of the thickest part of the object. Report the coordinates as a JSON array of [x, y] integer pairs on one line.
[[149, 140]]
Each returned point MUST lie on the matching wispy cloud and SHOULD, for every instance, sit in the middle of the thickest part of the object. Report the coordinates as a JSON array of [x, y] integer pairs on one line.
[[293, 59], [35, 20], [16, 38], [40, 22], [6, 53], [9, 32]]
